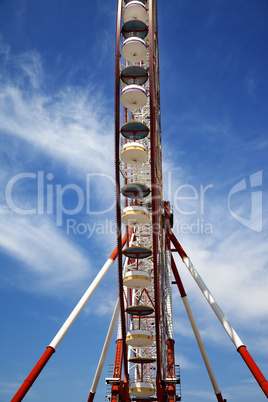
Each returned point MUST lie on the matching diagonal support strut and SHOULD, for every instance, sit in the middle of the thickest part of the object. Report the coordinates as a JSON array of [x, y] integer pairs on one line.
[[241, 348], [22, 391]]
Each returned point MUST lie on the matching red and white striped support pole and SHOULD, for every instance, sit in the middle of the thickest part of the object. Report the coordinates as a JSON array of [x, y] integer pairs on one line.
[[83, 301], [241, 348], [171, 387], [106, 345], [22, 391], [104, 352], [196, 331]]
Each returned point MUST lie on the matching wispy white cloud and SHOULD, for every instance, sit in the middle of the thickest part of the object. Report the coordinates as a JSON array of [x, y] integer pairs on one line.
[[105, 307], [69, 128], [51, 262], [185, 363], [4, 49], [70, 125], [30, 64], [201, 395], [251, 85], [232, 260], [237, 282], [247, 388], [9, 387]]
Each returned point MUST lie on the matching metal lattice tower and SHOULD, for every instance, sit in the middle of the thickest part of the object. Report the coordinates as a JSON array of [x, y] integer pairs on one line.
[[144, 367], [146, 336]]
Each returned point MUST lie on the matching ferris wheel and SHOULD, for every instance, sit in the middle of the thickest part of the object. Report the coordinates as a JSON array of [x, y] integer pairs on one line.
[[144, 367]]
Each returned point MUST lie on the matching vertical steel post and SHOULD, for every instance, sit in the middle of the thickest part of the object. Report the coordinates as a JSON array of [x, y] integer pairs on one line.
[[155, 194], [171, 386], [117, 182]]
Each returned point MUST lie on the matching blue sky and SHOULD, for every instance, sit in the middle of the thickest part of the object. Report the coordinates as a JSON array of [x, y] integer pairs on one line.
[[56, 126]]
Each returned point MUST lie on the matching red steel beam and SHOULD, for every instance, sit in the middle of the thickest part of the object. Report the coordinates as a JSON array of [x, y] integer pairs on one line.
[[118, 360], [196, 332], [254, 369], [154, 188], [117, 178], [22, 391], [259, 377], [171, 388]]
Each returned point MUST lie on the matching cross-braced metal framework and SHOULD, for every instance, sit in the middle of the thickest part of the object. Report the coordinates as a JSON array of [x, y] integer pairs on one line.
[[144, 367], [143, 334]]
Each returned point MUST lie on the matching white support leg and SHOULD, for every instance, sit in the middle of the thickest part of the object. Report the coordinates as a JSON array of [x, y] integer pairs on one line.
[[215, 307], [105, 348], [201, 345]]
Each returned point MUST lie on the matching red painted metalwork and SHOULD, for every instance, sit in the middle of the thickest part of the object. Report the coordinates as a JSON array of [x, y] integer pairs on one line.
[[177, 245], [114, 254], [156, 196], [220, 398], [118, 360], [254, 369], [49, 352], [155, 191], [171, 387], [33, 375], [165, 381], [91, 397], [183, 295], [117, 180], [115, 392], [242, 349], [167, 225], [177, 278]]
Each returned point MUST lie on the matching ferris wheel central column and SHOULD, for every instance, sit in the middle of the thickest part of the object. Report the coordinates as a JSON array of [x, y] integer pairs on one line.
[[154, 187], [117, 180], [138, 160]]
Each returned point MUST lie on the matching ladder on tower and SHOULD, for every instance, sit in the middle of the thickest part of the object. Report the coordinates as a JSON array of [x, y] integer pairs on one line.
[[108, 388]]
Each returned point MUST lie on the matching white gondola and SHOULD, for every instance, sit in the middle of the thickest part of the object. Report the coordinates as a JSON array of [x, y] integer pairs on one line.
[[134, 49], [134, 153], [135, 216], [139, 338], [143, 1], [135, 10], [141, 389], [137, 279], [133, 96]]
